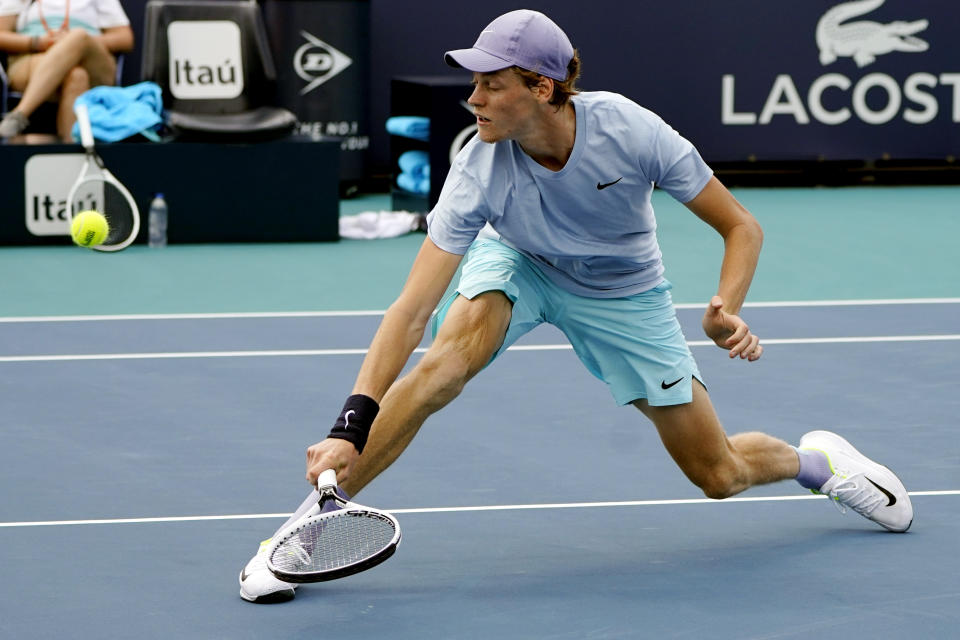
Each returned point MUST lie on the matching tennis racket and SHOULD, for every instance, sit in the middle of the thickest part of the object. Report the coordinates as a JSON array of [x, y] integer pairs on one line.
[[326, 546], [97, 189]]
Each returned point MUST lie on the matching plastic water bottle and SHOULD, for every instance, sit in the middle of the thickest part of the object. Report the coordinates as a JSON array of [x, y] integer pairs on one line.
[[157, 222]]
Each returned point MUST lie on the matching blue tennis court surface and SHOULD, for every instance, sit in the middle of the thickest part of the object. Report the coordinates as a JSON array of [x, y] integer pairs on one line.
[[143, 459]]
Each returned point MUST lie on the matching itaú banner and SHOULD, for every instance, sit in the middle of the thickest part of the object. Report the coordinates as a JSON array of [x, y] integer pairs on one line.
[[820, 79]]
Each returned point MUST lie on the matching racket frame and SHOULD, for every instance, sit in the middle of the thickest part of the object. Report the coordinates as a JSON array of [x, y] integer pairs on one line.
[[94, 170], [326, 485]]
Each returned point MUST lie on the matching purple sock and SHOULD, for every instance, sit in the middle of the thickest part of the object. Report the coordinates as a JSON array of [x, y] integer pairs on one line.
[[814, 468]]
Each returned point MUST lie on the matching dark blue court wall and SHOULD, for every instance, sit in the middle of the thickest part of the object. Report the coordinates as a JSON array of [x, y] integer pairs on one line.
[[744, 79]]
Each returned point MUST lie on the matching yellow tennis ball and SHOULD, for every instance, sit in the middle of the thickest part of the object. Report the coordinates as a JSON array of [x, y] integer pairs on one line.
[[89, 228]]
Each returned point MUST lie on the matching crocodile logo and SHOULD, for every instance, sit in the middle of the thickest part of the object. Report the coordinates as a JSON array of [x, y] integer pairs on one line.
[[865, 40]]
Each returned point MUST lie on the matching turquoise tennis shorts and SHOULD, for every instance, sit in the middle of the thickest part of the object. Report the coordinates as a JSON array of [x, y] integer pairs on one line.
[[634, 344]]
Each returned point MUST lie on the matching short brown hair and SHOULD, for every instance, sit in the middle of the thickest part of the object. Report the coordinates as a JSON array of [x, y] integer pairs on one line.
[[561, 90]]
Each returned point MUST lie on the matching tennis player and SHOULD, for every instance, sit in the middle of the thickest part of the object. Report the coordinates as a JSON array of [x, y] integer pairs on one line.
[[549, 209]]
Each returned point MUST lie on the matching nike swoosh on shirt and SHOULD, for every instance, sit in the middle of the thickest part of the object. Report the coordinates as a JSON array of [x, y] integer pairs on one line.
[[601, 187]]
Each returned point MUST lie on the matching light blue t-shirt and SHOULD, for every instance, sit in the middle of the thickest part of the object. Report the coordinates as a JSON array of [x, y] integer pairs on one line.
[[591, 225]]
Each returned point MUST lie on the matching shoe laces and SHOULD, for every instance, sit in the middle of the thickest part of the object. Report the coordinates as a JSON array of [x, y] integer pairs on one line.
[[295, 546], [292, 553], [860, 496], [259, 561]]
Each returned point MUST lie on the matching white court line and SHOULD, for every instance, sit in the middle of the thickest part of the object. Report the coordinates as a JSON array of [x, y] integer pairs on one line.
[[839, 303], [360, 352], [188, 354], [194, 316], [334, 314], [502, 507]]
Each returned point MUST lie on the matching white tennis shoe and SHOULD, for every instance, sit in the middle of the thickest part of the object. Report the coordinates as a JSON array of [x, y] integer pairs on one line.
[[861, 484], [258, 585]]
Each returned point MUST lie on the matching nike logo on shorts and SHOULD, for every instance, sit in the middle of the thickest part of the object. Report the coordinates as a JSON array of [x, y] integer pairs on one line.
[[665, 385]]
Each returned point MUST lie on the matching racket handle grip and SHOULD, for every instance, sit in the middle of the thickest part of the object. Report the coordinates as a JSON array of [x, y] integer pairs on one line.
[[327, 479]]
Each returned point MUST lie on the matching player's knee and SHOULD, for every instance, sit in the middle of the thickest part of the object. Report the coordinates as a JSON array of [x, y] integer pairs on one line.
[[718, 491], [717, 482]]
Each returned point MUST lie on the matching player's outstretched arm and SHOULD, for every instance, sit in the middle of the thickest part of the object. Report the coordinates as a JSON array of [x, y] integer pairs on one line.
[[406, 320], [742, 239], [399, 334]]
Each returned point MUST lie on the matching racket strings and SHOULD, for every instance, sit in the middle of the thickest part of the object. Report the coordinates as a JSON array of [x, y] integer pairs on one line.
[[119, 214], [97, 194], [333, 542]]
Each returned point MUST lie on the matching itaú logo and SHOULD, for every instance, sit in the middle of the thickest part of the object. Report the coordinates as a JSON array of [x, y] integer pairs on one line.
[[47, 181], [206, 59]]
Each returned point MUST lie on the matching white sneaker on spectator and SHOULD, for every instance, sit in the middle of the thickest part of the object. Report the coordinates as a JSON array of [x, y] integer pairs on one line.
[[258, 585], [13, 124], [861, 484]]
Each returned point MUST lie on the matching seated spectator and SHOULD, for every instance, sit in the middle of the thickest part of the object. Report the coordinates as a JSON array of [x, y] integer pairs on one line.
[[57, 49]]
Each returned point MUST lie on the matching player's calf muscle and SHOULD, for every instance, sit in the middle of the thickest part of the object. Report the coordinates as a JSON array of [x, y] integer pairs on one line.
[[768, 459], [754, 459]]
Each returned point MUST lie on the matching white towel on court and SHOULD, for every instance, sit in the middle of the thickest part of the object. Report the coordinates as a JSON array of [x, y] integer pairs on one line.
[[369, 225]]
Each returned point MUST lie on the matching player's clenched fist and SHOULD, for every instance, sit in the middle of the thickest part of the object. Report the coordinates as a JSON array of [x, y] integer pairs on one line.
[[332, 453]]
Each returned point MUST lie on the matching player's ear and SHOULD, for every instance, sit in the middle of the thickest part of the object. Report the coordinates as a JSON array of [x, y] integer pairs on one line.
[[544, 89]]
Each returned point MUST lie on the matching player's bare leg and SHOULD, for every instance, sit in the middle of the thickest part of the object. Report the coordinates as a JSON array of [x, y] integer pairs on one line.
[[719, 465], [471, 333]]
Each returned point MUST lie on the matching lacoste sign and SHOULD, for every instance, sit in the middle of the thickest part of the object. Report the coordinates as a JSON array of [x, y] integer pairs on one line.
[[864, 40], [837, 97]]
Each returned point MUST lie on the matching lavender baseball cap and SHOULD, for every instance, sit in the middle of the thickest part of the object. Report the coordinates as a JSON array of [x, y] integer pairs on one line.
[[525, 38]]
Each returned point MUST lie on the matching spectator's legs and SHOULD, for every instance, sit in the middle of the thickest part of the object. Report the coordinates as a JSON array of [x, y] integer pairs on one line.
[[41, 75], [76, 82]]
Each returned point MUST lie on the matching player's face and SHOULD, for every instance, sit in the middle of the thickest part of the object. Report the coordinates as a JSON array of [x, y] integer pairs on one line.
[[505, 107]]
